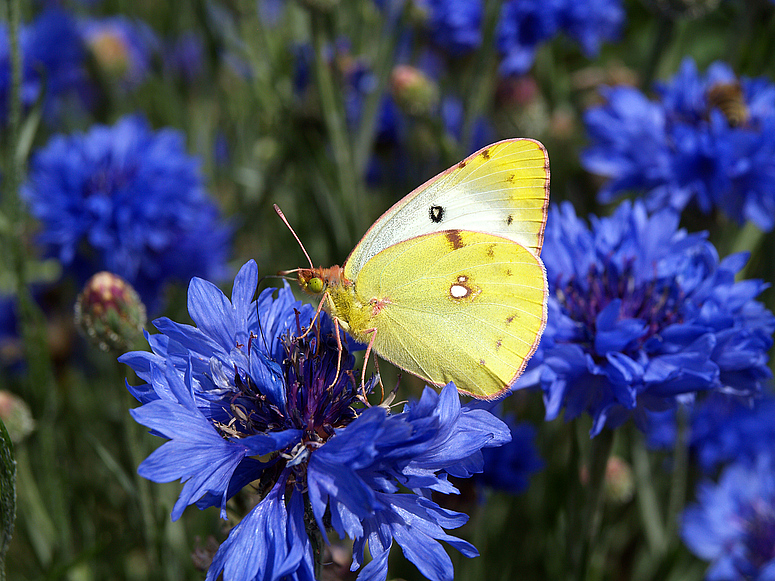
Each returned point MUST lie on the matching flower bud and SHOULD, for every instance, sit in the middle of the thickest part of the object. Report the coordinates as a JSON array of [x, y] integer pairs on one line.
[[16, 416], [110, 312], [619, 482], [110, 52], [413, 91]]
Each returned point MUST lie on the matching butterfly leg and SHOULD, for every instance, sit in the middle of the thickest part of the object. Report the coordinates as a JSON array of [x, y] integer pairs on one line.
[[315, 318], [366, 361], [339, 353]]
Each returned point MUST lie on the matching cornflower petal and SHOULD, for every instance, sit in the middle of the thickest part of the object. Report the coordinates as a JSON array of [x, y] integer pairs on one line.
[[260, 546], [733, 523]]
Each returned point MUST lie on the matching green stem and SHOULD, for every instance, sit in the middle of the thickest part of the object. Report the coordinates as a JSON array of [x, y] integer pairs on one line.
[[602, 444], [647, 499], [680, 470], [31, 320], [40, 389], [749, 238], [661, 40], [483, 86], [383, 64], [336, 123], [136, 444]]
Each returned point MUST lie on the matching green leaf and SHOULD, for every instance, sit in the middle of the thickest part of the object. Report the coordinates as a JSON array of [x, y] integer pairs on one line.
[[7, 494]]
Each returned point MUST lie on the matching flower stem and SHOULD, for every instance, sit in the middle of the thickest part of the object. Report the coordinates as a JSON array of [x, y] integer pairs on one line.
[[336, 124], [602, 445], [316, 539], [383, 63], [647, 499], [482, 87], [661, 40], [749, 238], [680, 468]]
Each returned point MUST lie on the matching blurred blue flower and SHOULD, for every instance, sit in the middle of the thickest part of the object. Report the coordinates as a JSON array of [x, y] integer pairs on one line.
[[721, 429], [454, 25], [122, 47], [525, 24], [508, 467], [641, 315], [709, 140], [184, 57], [53, 61], [271, 11], [243, 398], [128, 200], [590, 22], [733, 524]]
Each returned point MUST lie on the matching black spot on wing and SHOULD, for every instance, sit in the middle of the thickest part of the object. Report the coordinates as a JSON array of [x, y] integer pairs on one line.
[[436, 214], [509, 220]]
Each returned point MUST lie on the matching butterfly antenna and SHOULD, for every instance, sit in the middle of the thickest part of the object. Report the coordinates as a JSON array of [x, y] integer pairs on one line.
[[284, 219]]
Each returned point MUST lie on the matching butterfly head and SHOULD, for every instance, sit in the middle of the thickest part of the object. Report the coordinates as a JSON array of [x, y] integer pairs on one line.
[[315, 281]]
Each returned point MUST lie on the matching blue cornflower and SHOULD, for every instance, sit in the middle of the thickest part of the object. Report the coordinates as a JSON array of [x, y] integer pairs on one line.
[[525, 24], [641, 315], [122, 47], [54, 61], [243, 397], [733, 524], [128, 200], [455, 26], [522, 26], [721, 429], [589, 22], [709, 140]]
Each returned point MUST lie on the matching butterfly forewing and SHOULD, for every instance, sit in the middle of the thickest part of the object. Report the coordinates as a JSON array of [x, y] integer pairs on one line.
[[502, 189]]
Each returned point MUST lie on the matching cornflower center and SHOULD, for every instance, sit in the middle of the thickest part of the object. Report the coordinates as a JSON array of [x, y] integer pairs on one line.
[[656, 302], [317, 401]]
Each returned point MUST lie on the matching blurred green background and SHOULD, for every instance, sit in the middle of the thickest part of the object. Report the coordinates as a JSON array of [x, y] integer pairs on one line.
[[268, 112]]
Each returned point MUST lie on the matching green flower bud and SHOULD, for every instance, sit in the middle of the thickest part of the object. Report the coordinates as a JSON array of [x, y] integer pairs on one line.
[[16, 416], [109, 312], [413, 91]]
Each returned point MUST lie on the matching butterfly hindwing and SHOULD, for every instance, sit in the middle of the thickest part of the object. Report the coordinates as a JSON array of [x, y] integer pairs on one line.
[[456, 306]]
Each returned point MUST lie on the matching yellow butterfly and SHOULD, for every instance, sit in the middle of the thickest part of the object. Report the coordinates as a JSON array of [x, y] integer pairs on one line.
[[448, 283]]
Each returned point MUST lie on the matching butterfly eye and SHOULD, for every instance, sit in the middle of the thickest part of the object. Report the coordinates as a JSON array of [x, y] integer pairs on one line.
[[315, 285]]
